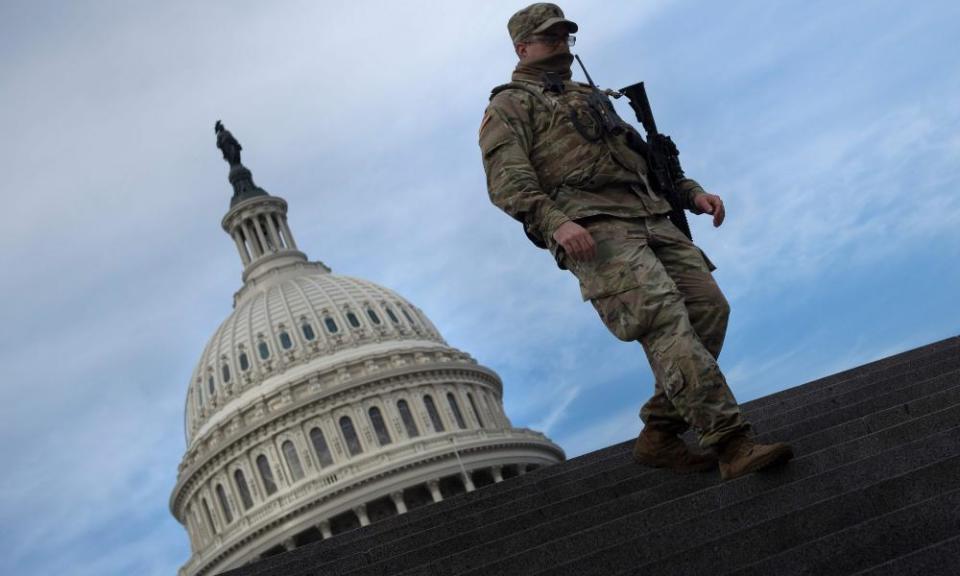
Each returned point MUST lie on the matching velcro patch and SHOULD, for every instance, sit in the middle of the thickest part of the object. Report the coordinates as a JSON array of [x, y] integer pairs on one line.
[[483, 124]]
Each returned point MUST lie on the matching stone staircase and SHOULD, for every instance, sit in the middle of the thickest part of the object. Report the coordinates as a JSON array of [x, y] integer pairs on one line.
[[874, 490]]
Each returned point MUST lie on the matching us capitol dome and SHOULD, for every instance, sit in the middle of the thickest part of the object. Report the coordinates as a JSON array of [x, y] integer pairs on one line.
[[324, 403]]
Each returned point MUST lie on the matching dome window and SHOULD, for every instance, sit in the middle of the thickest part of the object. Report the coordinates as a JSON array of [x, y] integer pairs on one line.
[[320, 447], [408, 422], [331, 325], [393, 317], [293, 460], [379, 426], [476, 412], [350, 436], [455, 408], [264, 350], [211, 386], [206, 511], [285, 342], [489, 404], [407, 315], [353, 320], [432, 412], [243, 489], [263, 466], [224, 505], [225, 371], [244, 362], [308, 332], [373, 316]]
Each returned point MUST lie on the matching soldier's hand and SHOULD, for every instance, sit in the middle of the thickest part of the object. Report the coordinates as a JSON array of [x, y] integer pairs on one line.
[[576, 241], [711, 204]]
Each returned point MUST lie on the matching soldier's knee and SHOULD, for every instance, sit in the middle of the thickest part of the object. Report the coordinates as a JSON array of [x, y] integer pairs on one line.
[[721, 306], [710, 309]]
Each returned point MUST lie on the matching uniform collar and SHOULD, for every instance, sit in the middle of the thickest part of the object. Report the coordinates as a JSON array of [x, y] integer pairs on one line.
[[533, 71]]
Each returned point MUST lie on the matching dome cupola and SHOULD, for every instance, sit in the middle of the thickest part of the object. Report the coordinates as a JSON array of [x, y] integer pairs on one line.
[[256, 221]]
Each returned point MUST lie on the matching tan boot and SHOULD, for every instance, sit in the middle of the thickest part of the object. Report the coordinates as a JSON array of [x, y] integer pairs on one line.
[[660, 449], [740, 455]]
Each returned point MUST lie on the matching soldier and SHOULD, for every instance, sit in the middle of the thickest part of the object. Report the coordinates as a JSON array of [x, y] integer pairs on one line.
[[580, 191]]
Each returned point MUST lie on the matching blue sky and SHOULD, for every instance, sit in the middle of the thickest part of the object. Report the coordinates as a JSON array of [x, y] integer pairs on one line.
[[831, 129]]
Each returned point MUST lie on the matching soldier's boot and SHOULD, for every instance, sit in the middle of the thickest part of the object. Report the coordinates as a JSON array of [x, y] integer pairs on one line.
[[740, 455], [660, 449]]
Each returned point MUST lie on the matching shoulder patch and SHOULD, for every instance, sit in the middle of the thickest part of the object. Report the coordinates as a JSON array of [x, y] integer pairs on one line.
[[483, 123]]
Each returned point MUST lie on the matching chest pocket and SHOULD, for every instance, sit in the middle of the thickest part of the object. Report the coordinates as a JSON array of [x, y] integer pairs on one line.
[[584, 118]]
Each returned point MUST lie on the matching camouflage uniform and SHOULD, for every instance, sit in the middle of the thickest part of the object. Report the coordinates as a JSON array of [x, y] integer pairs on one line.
[[548, 160]]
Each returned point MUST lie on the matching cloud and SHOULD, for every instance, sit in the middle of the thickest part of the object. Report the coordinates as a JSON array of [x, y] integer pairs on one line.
[[74, 481], [566, 395]]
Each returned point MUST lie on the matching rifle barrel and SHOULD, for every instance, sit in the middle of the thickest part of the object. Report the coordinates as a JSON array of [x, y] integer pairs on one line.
[[584, 68]]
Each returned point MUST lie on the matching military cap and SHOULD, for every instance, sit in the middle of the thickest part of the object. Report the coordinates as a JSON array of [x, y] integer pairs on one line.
[[536, 18]]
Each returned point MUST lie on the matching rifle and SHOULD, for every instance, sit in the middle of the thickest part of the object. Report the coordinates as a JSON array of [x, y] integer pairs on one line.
[[661, 154], [663, 157]]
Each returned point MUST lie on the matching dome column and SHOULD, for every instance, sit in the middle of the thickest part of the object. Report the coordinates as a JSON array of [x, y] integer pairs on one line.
[[261, 236], [324, 528], [255, 246], [241, 247], [434, 486], [361, 512], [397, 498], [272, 231], [285, 229], [497, 474]]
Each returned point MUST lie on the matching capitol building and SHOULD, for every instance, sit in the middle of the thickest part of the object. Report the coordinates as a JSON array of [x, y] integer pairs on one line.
[[323, 403]]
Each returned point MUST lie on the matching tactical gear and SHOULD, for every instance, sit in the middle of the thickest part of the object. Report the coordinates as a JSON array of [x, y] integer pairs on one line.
[[549, 157], [740, 455], [660, 449]]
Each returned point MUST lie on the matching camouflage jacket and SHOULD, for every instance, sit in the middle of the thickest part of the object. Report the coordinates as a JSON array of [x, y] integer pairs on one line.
[[549, 160]]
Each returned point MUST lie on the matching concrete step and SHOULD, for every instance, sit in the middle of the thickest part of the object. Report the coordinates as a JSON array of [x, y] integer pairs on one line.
[[799, 406], [590, 503], [483, 519], [880, 396], [939, 559], [904, 361], [836, 498], [527, 543], [864, 545], [763, 539]]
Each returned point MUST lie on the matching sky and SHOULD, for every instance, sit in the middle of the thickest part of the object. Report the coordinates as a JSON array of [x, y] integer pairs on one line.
[[830, 129]]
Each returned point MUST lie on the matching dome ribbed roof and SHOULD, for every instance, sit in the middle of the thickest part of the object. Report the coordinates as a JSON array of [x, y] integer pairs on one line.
[[290, 318]]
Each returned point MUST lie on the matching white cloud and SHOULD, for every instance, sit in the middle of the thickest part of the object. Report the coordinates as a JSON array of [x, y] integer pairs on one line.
[[565, 396]]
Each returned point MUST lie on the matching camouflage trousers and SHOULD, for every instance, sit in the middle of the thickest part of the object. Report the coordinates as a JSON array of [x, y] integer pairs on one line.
[[650, 283]]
